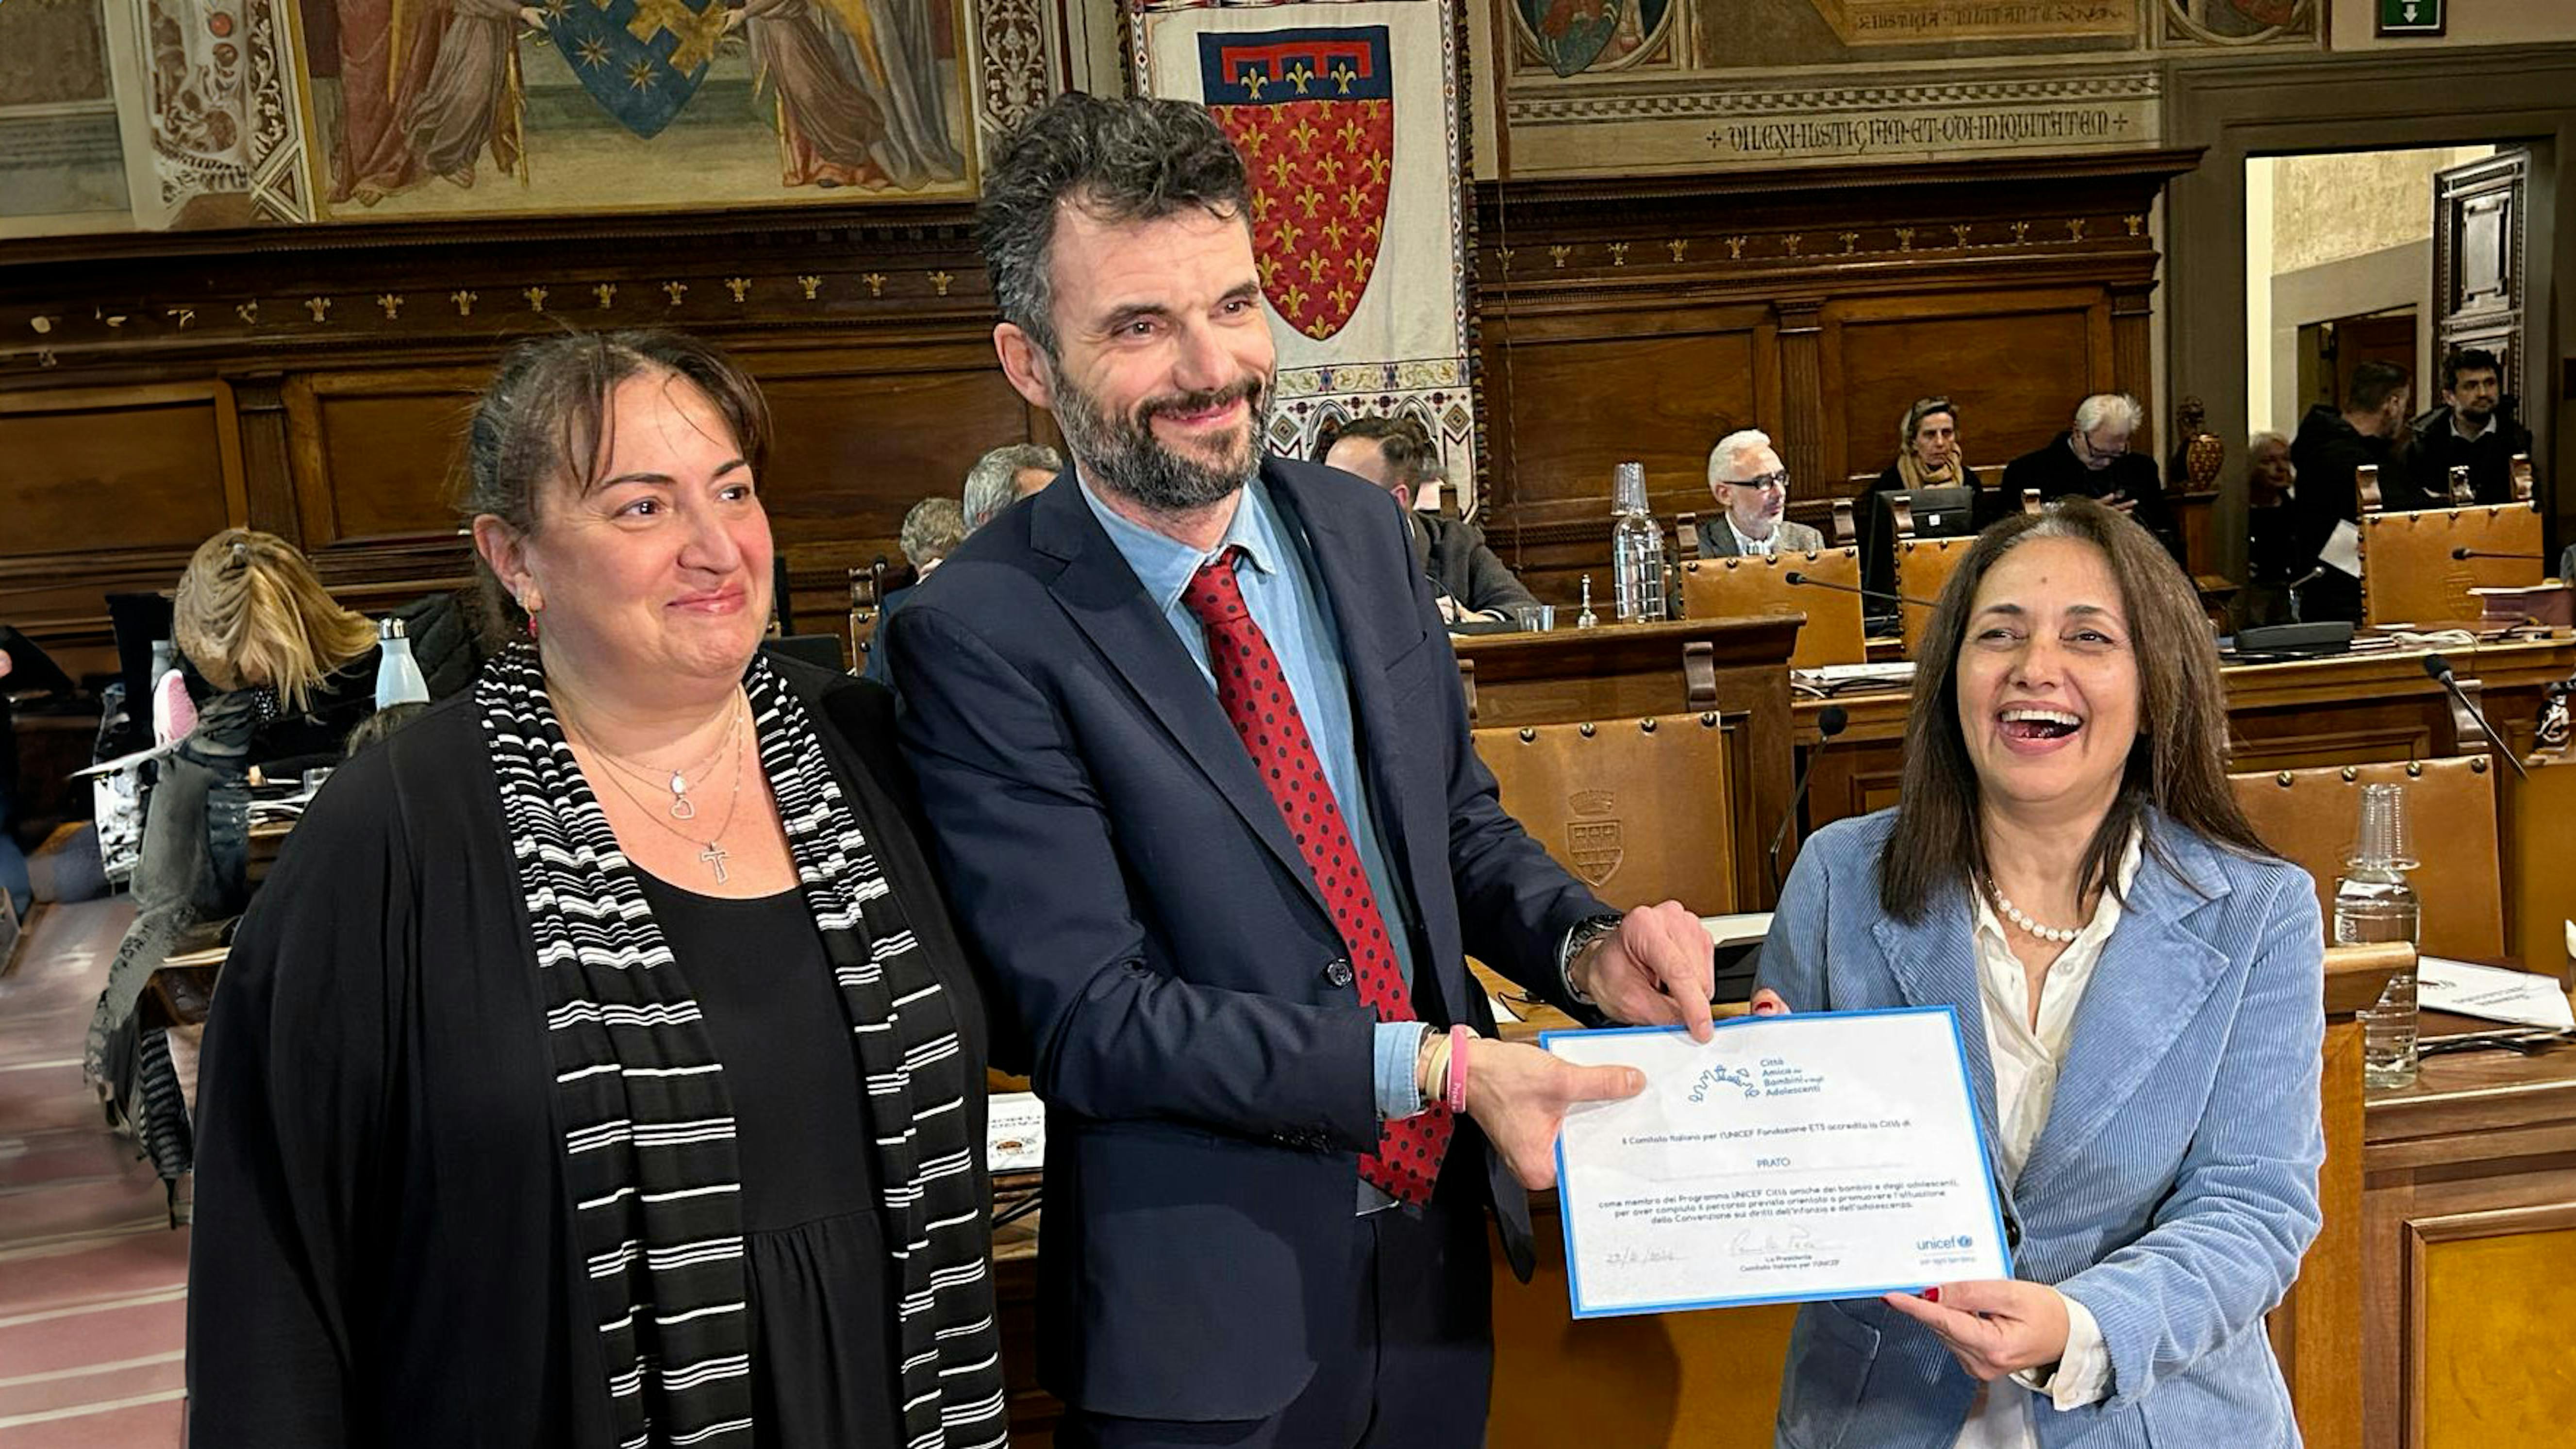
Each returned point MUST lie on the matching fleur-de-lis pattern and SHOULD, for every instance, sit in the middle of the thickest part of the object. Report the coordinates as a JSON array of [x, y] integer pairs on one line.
[[1313, 112]]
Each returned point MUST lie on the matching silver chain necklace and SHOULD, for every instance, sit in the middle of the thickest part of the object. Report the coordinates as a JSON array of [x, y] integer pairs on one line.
[[677, 782]]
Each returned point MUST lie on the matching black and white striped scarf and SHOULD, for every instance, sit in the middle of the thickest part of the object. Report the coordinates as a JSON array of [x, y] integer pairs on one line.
[[649, 1128]]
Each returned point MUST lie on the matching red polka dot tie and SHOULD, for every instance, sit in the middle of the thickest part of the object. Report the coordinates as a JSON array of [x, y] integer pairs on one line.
[[1254, 692]]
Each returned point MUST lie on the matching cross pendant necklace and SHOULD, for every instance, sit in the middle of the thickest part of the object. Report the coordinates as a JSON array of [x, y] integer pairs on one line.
[[714, 856]]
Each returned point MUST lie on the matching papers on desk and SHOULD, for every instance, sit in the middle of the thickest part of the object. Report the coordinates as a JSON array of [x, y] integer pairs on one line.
[[1745, 928], [1826, 680], [1015, 1133], [2343, 549], [2520, 998]]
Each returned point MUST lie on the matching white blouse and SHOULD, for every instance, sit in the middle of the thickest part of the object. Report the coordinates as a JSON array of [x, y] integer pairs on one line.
[[2026, 1062]]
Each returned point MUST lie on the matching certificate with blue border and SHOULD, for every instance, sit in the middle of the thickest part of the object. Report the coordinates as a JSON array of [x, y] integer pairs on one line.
[[1786, 1159]]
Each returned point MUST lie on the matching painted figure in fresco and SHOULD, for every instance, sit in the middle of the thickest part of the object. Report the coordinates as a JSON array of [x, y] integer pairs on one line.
[[472, 95], [423, 89], [858, 92]]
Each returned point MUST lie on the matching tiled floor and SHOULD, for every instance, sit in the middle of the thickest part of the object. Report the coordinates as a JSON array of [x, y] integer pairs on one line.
[[93, 1283]]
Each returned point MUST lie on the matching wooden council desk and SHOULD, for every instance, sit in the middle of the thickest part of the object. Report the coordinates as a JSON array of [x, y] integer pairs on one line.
[[2347, 710], [1736, 667]]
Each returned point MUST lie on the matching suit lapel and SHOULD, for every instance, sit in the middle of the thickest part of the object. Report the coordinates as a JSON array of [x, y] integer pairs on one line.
[[1934, 962], [1103, 597], [1350, 567], [2154, 976]]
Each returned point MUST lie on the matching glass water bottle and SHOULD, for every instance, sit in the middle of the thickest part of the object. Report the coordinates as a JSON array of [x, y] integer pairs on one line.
[[1636, 549], [2374, 904]]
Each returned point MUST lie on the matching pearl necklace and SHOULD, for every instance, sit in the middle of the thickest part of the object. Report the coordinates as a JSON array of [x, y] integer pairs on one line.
[[2013, 913]]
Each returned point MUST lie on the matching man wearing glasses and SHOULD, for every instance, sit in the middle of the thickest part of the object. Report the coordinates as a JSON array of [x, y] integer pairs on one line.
[[2093, 459], [1752, 492]]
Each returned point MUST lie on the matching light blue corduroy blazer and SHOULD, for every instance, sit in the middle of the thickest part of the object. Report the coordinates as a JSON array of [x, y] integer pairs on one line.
[[2174, 1185]]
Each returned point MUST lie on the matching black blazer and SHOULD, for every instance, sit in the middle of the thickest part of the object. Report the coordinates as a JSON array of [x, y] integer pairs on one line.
[[1159, 955]]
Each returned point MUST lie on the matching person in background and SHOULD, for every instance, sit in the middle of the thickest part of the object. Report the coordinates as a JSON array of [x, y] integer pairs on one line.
[[931, 530], [1396, 454], [2272, 541], [599, 1065], [2332, 444], [1928, 455], [13, 861], [1006, 475], [2475, 428], [1752, 493], [287, 673], [2092, 458], [2139, 989]]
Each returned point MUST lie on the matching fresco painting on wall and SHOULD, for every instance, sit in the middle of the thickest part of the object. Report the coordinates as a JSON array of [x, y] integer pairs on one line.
[[1574, 36], [60, 154], [464, 107]]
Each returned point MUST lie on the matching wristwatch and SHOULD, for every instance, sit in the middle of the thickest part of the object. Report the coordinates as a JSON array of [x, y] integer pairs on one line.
[[1584, 934]]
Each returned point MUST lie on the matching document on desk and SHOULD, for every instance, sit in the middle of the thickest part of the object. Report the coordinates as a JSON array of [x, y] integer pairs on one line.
[[1788, 1158]]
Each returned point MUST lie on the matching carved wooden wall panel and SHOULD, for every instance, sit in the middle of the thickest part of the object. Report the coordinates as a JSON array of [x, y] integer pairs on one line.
[[1643, 319], [317, 386], [2014, 361]]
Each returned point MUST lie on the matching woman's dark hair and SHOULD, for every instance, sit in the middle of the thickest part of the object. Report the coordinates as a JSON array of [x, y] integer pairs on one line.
[[546, 417], [2178, 764]]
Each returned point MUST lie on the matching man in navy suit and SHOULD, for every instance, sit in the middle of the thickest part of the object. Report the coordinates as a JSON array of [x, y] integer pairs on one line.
[[1191, 743]]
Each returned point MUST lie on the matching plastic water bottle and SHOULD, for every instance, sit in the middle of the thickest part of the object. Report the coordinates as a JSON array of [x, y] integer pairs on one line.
[[2374, 904], [398, 678], [1636, 549]]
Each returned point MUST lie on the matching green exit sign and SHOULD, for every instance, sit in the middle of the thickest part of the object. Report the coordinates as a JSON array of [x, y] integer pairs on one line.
[[2410, 17]]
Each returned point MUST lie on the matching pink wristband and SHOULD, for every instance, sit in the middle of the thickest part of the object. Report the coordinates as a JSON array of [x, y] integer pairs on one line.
[[1459, 1036]]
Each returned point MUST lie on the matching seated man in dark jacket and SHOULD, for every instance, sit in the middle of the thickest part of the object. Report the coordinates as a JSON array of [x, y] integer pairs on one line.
[[2474, 428], [2093, 459], [2331, 444], [1396, 454]]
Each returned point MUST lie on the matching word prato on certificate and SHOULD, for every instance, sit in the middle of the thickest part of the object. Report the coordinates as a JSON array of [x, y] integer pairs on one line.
[[1786, 1159]]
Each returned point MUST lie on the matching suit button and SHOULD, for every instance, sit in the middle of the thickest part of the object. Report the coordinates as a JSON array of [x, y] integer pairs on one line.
[[1339, 973]]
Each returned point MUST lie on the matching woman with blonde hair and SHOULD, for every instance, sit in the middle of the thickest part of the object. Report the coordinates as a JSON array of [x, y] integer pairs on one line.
[[281, 672], [250, 613]]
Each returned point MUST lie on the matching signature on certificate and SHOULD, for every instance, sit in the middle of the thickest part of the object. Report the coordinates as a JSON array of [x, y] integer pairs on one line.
[[1765, 1240]]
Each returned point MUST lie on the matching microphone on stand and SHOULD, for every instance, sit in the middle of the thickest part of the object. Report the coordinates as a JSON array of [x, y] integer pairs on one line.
[[2462, 553], [1829, 723], [2440, 670], [1800, 580]]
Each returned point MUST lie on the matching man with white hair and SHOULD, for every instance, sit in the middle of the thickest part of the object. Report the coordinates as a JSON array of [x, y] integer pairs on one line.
[[1006, 475], [1752, 493], [2093, 459]]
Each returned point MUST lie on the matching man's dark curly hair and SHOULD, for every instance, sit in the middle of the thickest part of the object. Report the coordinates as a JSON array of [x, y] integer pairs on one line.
[[1120, 161]]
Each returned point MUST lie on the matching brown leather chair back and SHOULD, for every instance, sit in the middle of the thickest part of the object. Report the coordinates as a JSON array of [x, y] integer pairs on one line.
[[1737, 588], [1923, 569], [2311, 816], [2408, 574], [1641, 810]]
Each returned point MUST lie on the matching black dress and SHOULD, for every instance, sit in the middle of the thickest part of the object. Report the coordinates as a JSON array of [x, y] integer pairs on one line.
[[383, 1252], [822, 1345]]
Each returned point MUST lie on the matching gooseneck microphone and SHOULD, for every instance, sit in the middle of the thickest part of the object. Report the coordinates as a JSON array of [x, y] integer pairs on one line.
[[1800, 580], [1829, 723], [2461, 553], [2440, 670]]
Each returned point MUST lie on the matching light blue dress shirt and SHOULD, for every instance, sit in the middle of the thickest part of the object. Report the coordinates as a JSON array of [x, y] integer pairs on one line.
[[1287, 601]]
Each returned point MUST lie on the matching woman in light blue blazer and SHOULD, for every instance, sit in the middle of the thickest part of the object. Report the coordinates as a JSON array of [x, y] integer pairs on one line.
[[2139, 989]]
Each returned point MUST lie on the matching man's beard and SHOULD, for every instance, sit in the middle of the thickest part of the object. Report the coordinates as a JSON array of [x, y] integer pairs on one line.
[[2478, 412], [1123, 455]]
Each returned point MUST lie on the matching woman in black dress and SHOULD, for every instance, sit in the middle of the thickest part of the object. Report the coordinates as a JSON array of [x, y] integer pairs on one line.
[[599, 1065]]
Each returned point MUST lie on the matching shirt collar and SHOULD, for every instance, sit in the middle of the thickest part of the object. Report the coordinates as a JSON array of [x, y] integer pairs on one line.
[[1165, 565], [2464, 434], [1748, 546]]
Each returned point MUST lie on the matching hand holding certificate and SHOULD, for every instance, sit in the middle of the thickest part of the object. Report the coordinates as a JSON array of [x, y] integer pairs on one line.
[[1786, 1158]]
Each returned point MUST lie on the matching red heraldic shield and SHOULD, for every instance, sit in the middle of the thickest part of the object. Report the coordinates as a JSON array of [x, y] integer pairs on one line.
[[1313, 112]]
